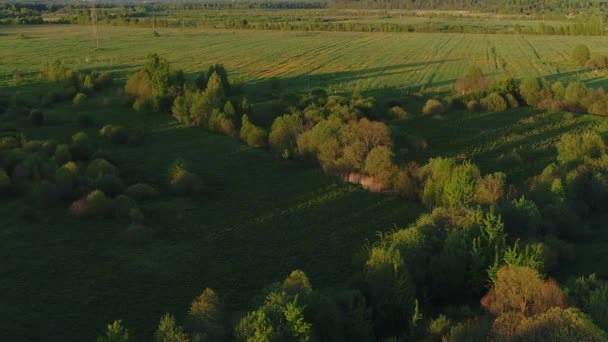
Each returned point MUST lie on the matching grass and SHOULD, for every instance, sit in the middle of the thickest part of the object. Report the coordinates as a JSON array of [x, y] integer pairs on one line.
[[337, 61], [261, 217]]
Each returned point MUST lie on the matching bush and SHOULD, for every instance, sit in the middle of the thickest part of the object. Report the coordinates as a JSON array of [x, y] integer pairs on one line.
[[512, 101], [575, 94], [115, 134], [433, 107], [522, 290], [379, 163], [82, 147], [207, 317], [141, 192], [94, 204], [252, 135], [36, 118], [597, 62], [99, 168], [143, 104], [182, 181], [494, 103], [580, 55], [398, 113], [284, 134], [530, 90], [473, 106], [576, 148], [491, 188], [471, 80], [79, 99]]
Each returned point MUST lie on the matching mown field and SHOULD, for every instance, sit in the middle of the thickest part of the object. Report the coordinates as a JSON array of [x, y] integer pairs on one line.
[[261, 217], [302, 60]]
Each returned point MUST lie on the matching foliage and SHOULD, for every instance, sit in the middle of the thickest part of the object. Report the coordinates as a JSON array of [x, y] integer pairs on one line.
[[521, 289], [580, 55], [433, 107], [115, 332], [141, 192], [251, 134], [494, 103], [169, 331], [182, 181], [206, 318], [284, 134]]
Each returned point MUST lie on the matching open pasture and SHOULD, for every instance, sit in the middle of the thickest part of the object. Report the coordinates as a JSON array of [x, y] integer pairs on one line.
[[337, 61]]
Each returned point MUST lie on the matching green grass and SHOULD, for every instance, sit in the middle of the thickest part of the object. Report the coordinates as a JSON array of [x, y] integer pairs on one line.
[[261, 217], [337, 61]]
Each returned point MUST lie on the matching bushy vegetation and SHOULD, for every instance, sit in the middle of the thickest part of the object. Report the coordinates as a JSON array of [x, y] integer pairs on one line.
[[484, 232], [155, 85]]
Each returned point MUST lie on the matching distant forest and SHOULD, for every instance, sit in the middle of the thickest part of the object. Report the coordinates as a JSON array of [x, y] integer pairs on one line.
[[508, 6]]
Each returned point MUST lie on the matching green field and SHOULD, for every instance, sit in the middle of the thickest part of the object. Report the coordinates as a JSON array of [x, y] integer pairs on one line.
[[64, 279], [337, 61]]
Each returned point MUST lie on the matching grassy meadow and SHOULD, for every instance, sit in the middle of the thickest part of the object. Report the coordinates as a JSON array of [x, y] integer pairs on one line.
[[64, 279], [337, 61]]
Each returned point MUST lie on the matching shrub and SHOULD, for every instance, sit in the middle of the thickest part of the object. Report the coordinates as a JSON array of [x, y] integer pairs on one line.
[[116, 134], [491, 188], [100, 167], [55, 72], [36, 118], [143, 104], [82, 147], [8, 143], [530, 90], [115, 332], [577, 147], [169, 331], [473, 106], [575, 94], [511, 100], [94, 204], [284, 134], [599, 107], [182, 181], [141, 192], [398, 113], [252, 135], [494, 103], [597, 62], [206, 317], [522, 290], [433, 107], [471, 80], [65, 180], [79, 99], [580, 55], [379, 163], [102, 80]]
